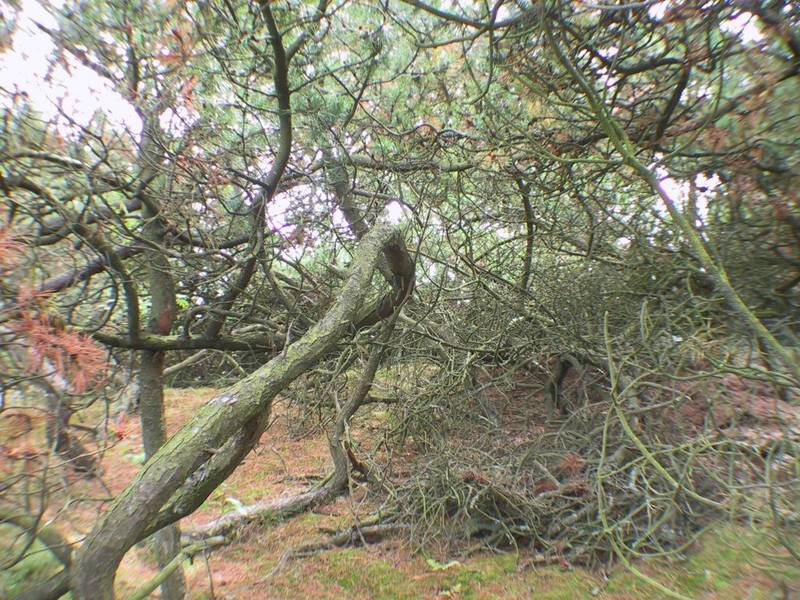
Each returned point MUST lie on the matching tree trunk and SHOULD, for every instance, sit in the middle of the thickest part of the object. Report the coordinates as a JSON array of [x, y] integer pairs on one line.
[[59, 438], [194, 461], [166, 542]]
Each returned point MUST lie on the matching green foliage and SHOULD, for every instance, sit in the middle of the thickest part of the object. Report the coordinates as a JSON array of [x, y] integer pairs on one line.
[[610, 190]]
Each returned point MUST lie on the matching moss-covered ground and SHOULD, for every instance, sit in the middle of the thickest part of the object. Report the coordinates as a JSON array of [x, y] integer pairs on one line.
[[731, 561]]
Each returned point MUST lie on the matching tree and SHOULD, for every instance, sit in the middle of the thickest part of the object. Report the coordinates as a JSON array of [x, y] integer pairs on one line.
[[601, 191]]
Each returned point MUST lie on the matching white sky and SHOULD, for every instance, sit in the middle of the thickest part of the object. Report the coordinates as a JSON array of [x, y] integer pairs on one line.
[[80, 92], [26, 68]]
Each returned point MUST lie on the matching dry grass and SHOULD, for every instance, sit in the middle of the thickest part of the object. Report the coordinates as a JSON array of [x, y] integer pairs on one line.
[[729, 566]]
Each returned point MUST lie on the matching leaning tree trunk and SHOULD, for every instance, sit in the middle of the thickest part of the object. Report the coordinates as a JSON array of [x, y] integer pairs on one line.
[[193, 462]]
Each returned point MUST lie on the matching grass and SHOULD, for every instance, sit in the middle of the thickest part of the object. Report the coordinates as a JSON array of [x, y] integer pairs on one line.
[[38, 565], [727, 566], [731, 562]]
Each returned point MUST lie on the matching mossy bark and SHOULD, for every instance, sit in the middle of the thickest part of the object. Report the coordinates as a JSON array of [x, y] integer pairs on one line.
[[181, 474]]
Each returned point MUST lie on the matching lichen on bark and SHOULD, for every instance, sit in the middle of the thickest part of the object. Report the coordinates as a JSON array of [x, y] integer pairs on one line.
[[160, 494]]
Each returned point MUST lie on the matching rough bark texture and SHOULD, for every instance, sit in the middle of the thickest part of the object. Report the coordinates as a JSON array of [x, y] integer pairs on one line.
[[59, 438], [166, 542], [336, 483], [176, 479]]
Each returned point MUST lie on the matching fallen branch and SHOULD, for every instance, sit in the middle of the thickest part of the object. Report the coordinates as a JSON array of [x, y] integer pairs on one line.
[[334, 484], [192, 359]]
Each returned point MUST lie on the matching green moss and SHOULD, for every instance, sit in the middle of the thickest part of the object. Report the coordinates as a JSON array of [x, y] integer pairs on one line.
[[383, 581], [555, 584], [726, 560], [361, 575], [469, 578], [725, 565], [37, 566]]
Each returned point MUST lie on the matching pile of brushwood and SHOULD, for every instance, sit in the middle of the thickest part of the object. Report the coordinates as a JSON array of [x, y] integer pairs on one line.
[[603, 448]]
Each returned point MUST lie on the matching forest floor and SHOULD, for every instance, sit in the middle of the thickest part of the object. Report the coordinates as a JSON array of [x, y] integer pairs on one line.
[[731, 562]]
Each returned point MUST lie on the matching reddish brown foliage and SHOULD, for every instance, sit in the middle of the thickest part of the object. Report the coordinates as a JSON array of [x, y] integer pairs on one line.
[[544, 485], [571, 464], [51, 346]]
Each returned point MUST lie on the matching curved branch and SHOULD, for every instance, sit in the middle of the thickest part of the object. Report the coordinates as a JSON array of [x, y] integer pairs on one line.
[[93, 267], [243, 407], [155, 342], [490, 25], [336, 482], [280, 76]]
